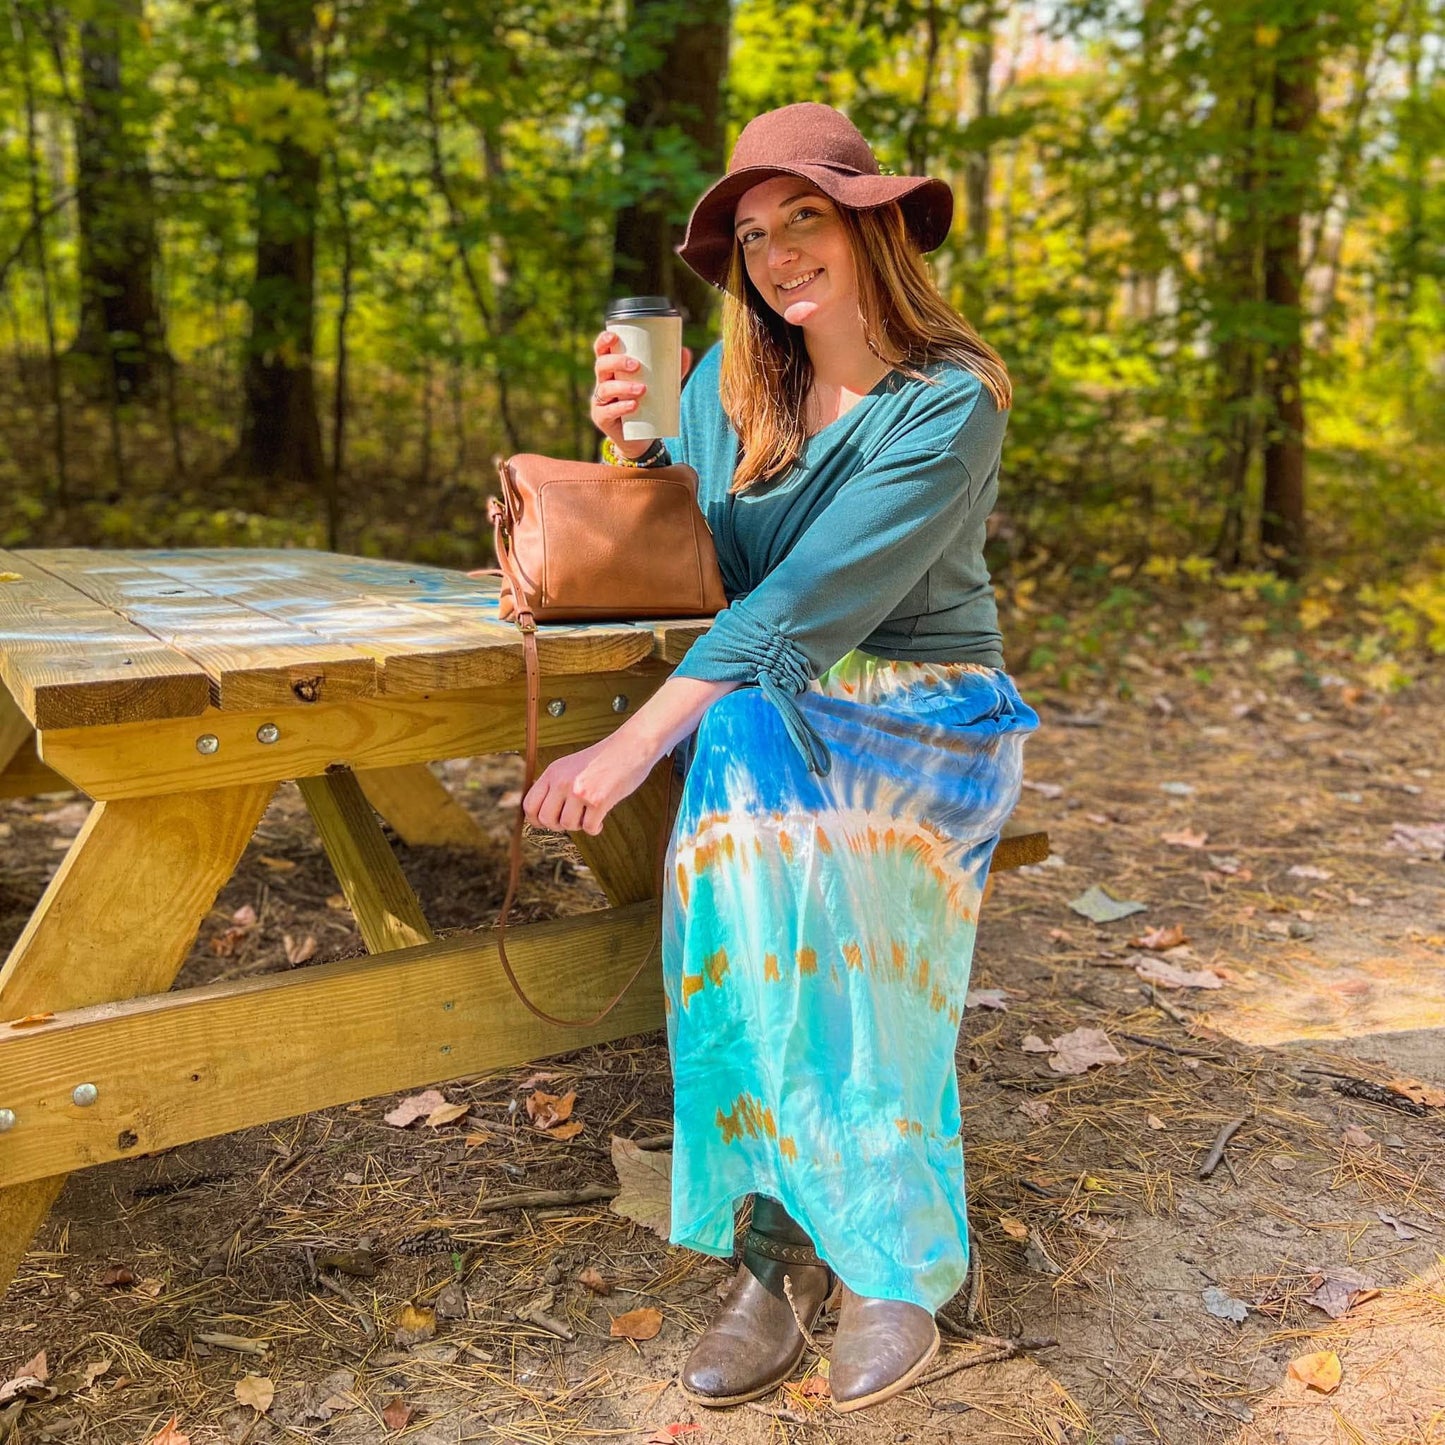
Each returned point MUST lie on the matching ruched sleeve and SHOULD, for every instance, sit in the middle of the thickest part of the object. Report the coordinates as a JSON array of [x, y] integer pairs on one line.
[[858, 559]]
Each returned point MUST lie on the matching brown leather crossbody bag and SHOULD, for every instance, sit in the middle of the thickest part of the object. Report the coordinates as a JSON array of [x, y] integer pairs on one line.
[[585, 542]]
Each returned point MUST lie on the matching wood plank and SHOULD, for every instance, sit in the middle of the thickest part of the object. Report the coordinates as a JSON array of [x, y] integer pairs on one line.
[[1017, 847], [15, 729], [25, 776], [136, 760], [386, 909], [421, 809], [174, 1068], [118, 920], [68, 661], [432, 627], [253, 660]]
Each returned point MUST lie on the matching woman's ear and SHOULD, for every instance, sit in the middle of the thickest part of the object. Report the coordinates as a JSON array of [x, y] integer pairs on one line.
[[686, 360]]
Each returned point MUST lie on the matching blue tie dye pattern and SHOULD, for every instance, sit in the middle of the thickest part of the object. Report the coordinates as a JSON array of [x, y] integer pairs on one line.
[[818, 935]]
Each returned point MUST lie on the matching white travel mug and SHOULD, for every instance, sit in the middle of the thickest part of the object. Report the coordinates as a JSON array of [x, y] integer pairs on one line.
[[650, 330]]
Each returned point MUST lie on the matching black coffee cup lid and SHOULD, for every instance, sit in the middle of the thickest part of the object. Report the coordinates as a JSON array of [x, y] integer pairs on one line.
[[640, 307]]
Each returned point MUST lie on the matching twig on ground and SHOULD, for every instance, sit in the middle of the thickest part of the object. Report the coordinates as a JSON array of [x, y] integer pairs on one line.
[[547, 1198], [1173, 1048], [1226, 1133], [992, 1352], [1165, 1007], [368, 1325]]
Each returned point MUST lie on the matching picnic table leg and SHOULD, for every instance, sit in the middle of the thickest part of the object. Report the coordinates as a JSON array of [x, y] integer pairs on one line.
[[116, 922], [15, 729], [385, 908], [420, 808]]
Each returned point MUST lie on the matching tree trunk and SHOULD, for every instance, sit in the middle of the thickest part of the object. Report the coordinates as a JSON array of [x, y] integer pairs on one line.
[[1282, 525], [1236, 294], [120, 322], [674, 79], [280, 428]]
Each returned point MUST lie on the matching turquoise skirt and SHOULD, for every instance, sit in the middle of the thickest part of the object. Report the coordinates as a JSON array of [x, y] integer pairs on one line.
[[818, 934]]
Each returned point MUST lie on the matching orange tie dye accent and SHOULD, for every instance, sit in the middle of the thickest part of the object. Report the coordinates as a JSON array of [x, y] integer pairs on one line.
[[747, 1115], [785, 846], [715, 966], [770, 969], [807, 960], [936, 999], [684, 889], [909, 1126], [820, 841], [853, 956], [900, 959], [920, 976], [691, 984], [788, 1148]]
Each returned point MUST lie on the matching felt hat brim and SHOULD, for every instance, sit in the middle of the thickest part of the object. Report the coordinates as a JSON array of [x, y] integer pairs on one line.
[[927, 205]]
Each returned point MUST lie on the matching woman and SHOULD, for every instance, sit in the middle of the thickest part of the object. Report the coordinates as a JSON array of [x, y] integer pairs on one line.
[[857, 748]]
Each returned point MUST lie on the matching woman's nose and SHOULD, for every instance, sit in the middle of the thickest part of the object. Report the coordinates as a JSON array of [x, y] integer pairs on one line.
[[779, 253]]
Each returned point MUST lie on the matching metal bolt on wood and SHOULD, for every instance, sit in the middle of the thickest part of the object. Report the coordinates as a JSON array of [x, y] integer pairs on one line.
[[556, 707], [7, 1120], [619, 703], [208, 743], [84, 1095], [267, 733]]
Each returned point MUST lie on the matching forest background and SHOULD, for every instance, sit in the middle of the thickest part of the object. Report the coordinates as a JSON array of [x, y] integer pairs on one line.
[[280, 273]]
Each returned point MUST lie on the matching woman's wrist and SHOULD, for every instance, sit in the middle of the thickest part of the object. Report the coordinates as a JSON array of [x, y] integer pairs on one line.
[[620, 454]]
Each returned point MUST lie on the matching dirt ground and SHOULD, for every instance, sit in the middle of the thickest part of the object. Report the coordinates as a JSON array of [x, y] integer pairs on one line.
[[1101, 1247]]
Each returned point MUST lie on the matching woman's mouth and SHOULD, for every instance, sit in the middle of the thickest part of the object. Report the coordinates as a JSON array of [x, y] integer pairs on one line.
[[799, 284]]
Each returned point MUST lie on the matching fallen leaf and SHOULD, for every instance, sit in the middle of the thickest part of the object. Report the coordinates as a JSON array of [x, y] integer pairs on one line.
[[642, 1324], [1100, 906], [1340, 1288], [31, 1021], [591, 1278], [1045, 790], [1417, 1092], [418, 1106], [994, 998], [1161, 972], [277, 865], [1184, 838], [38, 1368], [1014, 1228], [1356, 1137], [1036, 1258], [1033, 1044], [94, 1370], [451, 1302], [1155, 1122], [1308, 870], [337, 902], [244, 916], [1159, 939], [298, 952], [1282, 1164], [396, 1414], [1404, 1228], [1034, 1109], [569, 1130], [1223, 1306], [545, 1110], [1177, 790], [256, 1391], [169, 1434], [415, 1323], [1078, 1051], [447, 1114], [666, 1434], [1321, 1371], [1424, 839], [815, 1387], [646, 1179], [358, 1263], [116, 1277]]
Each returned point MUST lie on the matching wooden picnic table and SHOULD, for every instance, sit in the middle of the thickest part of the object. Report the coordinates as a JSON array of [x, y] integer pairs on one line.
[[177, 689]]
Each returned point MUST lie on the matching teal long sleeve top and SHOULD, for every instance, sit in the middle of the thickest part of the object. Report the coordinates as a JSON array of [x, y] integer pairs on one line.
[[873, 540]]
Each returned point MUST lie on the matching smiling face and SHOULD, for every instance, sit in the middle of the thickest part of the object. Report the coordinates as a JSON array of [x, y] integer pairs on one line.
[[796, 251]]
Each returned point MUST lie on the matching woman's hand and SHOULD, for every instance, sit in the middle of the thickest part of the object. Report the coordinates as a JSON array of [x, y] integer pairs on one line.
[[618, 390], [577, 792]]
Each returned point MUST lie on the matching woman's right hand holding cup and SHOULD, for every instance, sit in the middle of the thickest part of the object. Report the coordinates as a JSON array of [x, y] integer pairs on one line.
[[620, 390]]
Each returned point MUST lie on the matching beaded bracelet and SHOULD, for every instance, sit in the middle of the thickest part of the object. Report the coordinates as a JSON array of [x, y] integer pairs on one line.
[[654, 456]]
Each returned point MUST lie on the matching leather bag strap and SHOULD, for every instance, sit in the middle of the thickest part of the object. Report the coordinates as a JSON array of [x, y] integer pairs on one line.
[[527, 626]]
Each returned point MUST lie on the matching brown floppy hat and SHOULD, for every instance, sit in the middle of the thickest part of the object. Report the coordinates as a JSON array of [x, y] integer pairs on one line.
[[823, 146]]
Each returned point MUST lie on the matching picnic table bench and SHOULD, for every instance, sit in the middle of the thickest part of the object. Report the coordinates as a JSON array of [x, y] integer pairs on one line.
[[177, 689]]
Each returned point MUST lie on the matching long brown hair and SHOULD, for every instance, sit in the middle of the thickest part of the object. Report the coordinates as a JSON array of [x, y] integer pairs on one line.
[[766, 372]]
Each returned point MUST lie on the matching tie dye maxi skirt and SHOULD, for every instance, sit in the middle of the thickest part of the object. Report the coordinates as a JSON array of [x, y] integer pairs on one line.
[[818, 933]]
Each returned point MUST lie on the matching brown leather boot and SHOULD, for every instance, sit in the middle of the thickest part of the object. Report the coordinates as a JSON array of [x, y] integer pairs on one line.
[[881, 1348], [753, 1342]]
